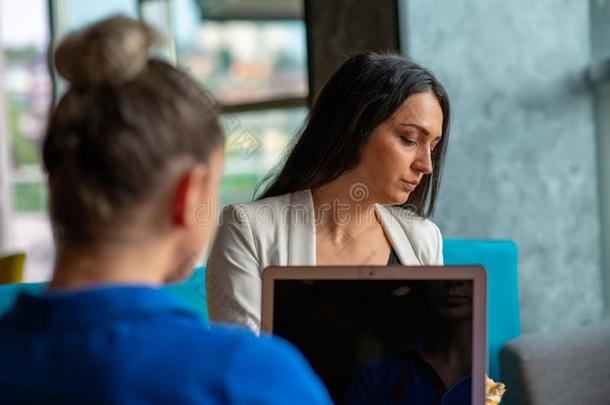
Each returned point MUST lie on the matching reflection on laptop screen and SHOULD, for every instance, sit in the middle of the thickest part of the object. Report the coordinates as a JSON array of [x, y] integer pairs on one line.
[[382, 341]]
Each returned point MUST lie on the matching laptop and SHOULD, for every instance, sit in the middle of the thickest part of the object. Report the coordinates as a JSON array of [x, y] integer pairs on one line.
[[385, 334]]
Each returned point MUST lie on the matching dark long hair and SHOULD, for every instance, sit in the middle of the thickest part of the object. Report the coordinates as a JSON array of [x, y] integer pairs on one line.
[[365, 91]]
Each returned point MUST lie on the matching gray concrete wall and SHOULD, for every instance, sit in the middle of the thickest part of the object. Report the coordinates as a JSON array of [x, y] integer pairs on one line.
[[600, 49], [522, 158]]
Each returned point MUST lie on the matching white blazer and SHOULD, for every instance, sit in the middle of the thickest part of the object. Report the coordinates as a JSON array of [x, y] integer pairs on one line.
[[281, 231]]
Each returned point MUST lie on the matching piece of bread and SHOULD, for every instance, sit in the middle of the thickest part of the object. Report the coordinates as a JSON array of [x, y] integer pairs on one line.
[[493, 391]]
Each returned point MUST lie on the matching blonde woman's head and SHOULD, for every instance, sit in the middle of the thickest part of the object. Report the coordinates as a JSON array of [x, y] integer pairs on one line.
[[133, 148]]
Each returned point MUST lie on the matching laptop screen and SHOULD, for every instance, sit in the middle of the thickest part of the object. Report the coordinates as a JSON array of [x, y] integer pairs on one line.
[[382, 341]]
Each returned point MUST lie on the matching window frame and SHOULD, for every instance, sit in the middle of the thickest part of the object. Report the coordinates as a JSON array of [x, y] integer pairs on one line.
[[273, 103]]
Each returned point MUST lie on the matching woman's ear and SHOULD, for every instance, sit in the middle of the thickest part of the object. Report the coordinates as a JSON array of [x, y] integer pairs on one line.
[[188, 195]]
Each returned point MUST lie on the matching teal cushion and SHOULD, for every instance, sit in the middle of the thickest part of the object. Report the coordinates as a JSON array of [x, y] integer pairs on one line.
[[8, 292], [500, 260], [191, 292]]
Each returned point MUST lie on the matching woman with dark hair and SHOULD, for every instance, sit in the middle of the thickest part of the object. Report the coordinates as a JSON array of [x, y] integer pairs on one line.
[[356, 188], [133, 151]]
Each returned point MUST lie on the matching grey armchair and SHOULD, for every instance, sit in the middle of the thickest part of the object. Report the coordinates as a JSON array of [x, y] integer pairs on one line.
[[560, 368]]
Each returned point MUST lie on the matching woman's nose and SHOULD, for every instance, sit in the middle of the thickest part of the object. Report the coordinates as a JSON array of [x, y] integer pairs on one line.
[[424, 162]]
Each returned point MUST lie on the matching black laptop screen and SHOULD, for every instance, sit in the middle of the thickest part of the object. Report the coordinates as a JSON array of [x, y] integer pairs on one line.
[[382, 341]]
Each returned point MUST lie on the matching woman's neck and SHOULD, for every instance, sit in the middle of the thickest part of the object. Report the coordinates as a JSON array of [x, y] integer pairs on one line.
[[78, 268], [343, 206]]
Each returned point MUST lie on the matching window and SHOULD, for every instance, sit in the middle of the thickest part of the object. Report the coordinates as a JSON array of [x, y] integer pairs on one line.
[[26, 94], [251, 55], [255, 141], [25, 100], [228, 56]]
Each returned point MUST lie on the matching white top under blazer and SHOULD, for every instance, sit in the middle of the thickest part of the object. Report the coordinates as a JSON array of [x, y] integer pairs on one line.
[[281, 231]]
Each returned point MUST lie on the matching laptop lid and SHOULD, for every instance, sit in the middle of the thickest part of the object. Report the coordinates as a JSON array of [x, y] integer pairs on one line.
[[385, 334]]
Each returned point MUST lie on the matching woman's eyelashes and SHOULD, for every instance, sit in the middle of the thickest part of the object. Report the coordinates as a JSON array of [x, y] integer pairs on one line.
[[413, 141], [408, 142]]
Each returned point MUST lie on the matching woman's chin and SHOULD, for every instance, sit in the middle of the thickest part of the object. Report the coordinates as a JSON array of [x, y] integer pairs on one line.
[[391, 196], [399, 198]]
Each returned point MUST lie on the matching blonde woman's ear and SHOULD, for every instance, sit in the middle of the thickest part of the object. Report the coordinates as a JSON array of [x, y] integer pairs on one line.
[[189, 194]]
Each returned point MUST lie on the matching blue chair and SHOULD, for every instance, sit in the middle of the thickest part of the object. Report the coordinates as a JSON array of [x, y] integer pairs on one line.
[[500, 260]]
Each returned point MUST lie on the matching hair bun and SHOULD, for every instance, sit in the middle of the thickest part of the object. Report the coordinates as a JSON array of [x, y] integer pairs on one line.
[[112, 51]]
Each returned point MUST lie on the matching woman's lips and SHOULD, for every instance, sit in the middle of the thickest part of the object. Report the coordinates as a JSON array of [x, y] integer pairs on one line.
[[410, 185]]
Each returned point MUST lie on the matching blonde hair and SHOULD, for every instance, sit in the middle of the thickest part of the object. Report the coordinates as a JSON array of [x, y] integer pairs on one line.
[[123, 120]]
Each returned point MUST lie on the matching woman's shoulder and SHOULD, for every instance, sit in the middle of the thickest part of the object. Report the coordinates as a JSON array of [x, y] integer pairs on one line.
[[267, 209]]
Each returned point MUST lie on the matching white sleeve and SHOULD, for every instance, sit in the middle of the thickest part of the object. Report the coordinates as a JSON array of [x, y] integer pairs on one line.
[[439, 260], [233, 276]]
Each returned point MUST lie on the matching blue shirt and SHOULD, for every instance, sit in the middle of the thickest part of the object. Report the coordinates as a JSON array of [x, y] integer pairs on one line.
[[406, 379], [137, 345]]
